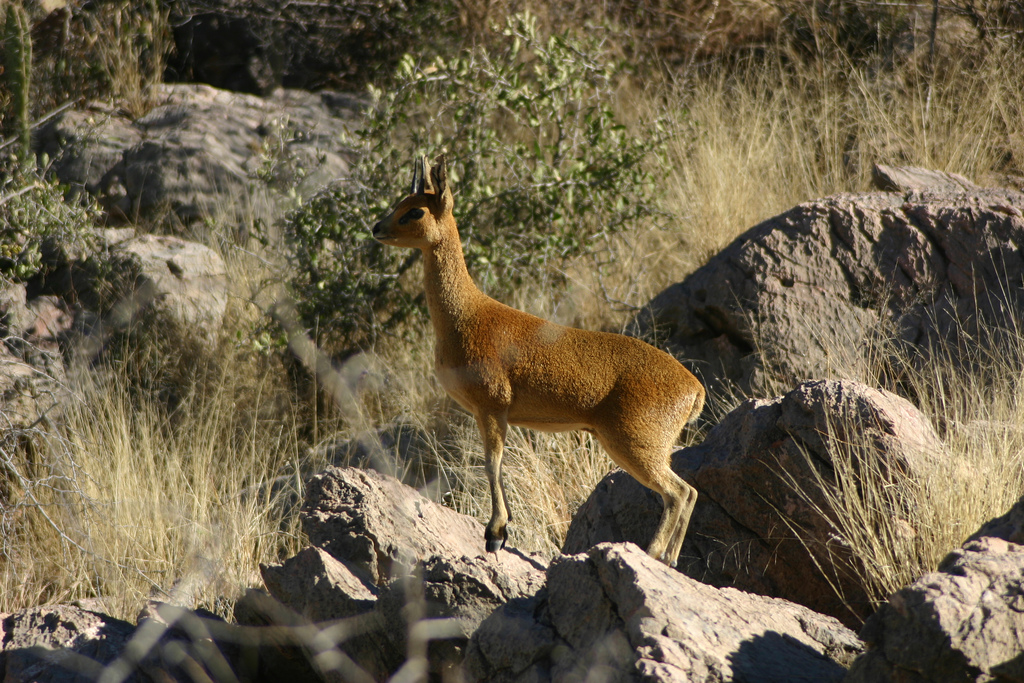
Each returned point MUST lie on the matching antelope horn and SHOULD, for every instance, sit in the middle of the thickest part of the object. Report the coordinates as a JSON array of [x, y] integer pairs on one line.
[[418, 173]]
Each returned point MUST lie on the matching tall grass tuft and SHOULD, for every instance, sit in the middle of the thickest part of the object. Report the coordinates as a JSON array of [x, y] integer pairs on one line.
[[892, 527]]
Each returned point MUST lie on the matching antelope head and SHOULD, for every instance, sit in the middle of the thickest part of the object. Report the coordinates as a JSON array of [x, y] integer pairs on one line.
[[417, 220]]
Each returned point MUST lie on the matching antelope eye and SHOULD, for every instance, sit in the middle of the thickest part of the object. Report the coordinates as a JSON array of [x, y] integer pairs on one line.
[[413, 215]]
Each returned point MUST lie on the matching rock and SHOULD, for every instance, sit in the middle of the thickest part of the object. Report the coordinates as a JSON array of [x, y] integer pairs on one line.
[[916, 179], [964, 622], [85, 145], [32, 387], [196, 152], [59, 643], [381, 527], [747, 472], [613, 613], [804, 292], [1008, 527], [181, 282], [185, 280], [69, 644], [382, 549], [319, 587]]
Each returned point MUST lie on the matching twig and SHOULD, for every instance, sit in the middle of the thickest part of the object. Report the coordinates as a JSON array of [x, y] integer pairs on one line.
[[40, 121]]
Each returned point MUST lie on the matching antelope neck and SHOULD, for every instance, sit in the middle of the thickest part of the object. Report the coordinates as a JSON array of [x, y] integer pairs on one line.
[[450, 290]]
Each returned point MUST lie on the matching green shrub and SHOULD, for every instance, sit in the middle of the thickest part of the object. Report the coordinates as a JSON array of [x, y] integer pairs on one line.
[[34, 213], [542, 168]]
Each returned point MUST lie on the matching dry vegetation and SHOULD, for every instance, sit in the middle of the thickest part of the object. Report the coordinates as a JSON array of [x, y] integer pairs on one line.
[[130, 498]]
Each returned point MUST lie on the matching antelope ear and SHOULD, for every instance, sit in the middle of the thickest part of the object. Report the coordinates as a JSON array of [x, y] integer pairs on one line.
[[439, 179]]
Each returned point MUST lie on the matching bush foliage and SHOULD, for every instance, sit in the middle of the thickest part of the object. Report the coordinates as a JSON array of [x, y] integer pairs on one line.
[[542, 167], [33, 212]]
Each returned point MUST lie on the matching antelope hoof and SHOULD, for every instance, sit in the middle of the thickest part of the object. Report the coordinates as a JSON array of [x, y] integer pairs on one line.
[[495, 541]]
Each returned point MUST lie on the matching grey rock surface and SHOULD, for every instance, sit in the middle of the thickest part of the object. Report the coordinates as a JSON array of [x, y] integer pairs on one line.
[[59, 643], [382, 527], [964, 622], [318, 586], [195, 153], [914, 178], [805, 291], [614, 613], [186, 281], [760, 474]]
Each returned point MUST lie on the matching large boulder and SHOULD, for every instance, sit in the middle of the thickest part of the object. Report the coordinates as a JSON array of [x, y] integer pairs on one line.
[[963, 622], [196, 152], [764, 475], [803, 292], [614, 613]]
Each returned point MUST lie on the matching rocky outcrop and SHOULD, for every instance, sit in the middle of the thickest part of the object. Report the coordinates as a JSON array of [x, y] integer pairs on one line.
[[196, 151], [964, 622], [762, 513], [374, 522], [614, 613], [804, 292], [379, 547]]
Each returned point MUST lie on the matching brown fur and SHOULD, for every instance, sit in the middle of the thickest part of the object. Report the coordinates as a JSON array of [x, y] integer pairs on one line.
[[509, 367]]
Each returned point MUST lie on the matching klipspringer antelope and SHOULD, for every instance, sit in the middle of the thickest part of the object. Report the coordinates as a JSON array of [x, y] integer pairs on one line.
[[509, 367]]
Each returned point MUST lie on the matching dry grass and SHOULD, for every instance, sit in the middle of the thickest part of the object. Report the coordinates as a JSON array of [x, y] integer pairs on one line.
[[138, 502], [759, 139], [890, 530]]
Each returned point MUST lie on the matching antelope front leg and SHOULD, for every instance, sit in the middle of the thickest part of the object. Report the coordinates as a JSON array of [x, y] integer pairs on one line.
[[492, 430]]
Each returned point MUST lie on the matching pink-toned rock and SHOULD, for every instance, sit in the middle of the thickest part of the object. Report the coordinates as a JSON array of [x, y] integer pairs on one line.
[[614, 613]]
